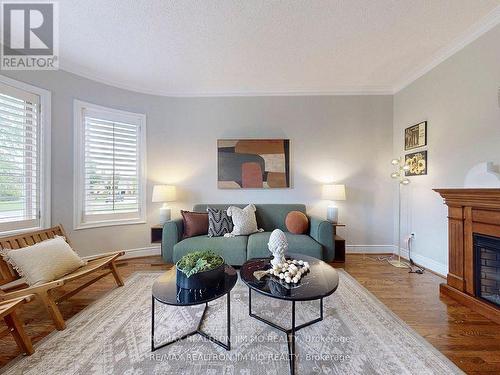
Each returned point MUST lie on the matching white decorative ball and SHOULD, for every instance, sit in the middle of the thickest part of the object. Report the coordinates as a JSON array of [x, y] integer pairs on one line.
[[282, 276], [295, 280], [301, 262], [288, 279]]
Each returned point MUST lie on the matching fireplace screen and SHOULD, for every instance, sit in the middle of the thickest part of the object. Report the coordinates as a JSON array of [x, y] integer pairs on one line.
[[487, 263]]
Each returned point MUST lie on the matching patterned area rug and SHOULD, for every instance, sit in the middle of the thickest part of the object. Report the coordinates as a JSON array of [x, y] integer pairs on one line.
[[358, 335]]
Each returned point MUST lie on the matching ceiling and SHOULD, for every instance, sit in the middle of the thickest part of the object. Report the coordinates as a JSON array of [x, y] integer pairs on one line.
[[265, 47]]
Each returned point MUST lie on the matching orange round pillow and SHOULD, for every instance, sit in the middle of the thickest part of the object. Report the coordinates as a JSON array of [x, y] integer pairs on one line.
[[296, 222]]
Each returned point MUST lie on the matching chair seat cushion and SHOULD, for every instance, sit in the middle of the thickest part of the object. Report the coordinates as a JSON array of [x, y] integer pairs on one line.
[[232, 249], [44, 261], [297, 243]]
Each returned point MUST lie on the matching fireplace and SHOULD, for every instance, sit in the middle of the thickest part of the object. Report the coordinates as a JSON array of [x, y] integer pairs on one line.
[[474, 249], [487, 262]]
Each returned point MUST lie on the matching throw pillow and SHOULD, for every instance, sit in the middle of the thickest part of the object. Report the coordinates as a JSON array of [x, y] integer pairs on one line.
[[296, 222], [244, 221], [219, 222], [44, 261], [195, 223]]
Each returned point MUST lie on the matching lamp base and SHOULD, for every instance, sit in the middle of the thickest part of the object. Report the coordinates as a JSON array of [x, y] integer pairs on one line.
[[165, 215], [398, 263], [332, 214]]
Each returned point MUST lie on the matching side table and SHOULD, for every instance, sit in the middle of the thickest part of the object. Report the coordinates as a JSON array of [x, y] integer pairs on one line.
[[339, 244], [156, 233]]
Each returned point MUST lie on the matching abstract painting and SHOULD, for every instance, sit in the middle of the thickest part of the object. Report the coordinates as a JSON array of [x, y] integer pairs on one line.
[[416, 136], [253, 163], [417, 162]]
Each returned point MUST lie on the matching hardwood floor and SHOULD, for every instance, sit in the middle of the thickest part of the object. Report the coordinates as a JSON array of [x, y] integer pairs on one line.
[[468, 339], [471, 341]]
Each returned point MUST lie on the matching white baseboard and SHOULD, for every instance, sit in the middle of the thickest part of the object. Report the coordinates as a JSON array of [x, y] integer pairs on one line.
[[436, 267], [421, 260], [135, 253], [370, 249], [439, 268]]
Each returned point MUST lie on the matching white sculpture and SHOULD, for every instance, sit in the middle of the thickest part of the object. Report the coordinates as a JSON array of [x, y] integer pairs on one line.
[[277, 245]]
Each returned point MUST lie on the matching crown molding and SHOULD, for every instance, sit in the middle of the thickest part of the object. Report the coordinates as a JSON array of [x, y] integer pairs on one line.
[[335, 91], [481, 27]]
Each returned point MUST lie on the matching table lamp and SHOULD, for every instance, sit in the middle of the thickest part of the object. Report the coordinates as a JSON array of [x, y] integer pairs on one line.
[[333, 193], [164, 194]]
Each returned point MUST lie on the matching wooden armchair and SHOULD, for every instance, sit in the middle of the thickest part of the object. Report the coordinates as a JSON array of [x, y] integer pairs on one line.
[[9, 315], [12, 286]]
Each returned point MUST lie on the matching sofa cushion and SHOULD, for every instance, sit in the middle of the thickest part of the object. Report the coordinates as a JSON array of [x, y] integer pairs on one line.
[[269, 216], [233, 249], [297, 243], [195, 223], [297, 222], [244, 221], [219, 223]]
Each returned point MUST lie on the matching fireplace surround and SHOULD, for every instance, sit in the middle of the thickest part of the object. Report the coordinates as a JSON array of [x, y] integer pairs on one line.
[[473, 231]]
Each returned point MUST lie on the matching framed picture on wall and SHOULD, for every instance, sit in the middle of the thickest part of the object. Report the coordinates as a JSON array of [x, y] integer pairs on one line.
[[417, 161], [253, 163], [416, 136]]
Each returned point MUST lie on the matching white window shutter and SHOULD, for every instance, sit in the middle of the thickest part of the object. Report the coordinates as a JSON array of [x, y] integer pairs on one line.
[[111, 167], [19, 159]]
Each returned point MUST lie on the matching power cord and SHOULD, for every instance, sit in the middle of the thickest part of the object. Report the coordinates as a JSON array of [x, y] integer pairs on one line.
[[418, 269]]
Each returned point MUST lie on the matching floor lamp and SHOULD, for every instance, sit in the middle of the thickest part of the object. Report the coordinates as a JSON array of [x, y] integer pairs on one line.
[[400, 175]]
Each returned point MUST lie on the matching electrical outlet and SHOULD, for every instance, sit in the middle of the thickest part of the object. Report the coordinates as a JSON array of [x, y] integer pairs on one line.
[[412, 234]]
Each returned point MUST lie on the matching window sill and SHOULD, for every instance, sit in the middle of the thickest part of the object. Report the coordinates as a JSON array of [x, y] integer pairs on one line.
[[108, 223], [13, 232]]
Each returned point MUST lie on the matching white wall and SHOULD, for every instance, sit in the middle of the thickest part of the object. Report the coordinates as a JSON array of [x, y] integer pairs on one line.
[[459, 100], [346, 139]]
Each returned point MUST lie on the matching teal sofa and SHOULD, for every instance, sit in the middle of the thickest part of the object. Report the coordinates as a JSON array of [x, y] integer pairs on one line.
[[318, 242]]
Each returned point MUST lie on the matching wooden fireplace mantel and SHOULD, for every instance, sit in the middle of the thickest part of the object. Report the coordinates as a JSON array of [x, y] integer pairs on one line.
[[469, 211]]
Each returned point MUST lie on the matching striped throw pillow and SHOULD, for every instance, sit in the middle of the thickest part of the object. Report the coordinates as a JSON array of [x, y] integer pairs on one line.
[[219, 223]]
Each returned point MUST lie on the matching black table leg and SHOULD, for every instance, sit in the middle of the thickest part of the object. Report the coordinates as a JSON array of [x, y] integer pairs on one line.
[[250, 301], [198, 329], [291, 340], [228, 321], [152, 324], [289, 332]]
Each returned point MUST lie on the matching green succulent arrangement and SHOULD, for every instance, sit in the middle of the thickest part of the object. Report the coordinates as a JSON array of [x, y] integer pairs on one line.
[[199, 261]]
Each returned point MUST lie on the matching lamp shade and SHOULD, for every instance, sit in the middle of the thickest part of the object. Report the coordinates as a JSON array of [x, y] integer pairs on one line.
[[334, 192], [163, 193]]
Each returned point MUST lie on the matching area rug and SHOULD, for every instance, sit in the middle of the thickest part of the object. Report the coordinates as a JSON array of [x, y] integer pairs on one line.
[[358, 335]]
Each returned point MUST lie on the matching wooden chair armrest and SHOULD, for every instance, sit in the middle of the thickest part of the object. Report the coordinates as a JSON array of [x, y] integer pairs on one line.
[[31, 290], [25, 299], [105, 255]]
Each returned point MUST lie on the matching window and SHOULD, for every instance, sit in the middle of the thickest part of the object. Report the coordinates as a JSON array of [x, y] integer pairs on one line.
[[109, 166], [24, 157]]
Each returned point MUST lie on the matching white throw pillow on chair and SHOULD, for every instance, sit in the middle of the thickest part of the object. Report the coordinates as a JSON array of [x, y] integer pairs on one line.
[[244, 221], [44, 261]]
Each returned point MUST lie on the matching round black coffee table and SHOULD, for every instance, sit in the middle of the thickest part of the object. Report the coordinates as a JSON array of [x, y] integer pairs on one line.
[[321, 281], [166, 291]]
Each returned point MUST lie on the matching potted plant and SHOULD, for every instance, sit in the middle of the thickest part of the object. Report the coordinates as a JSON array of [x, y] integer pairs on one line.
[[200, 270]]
